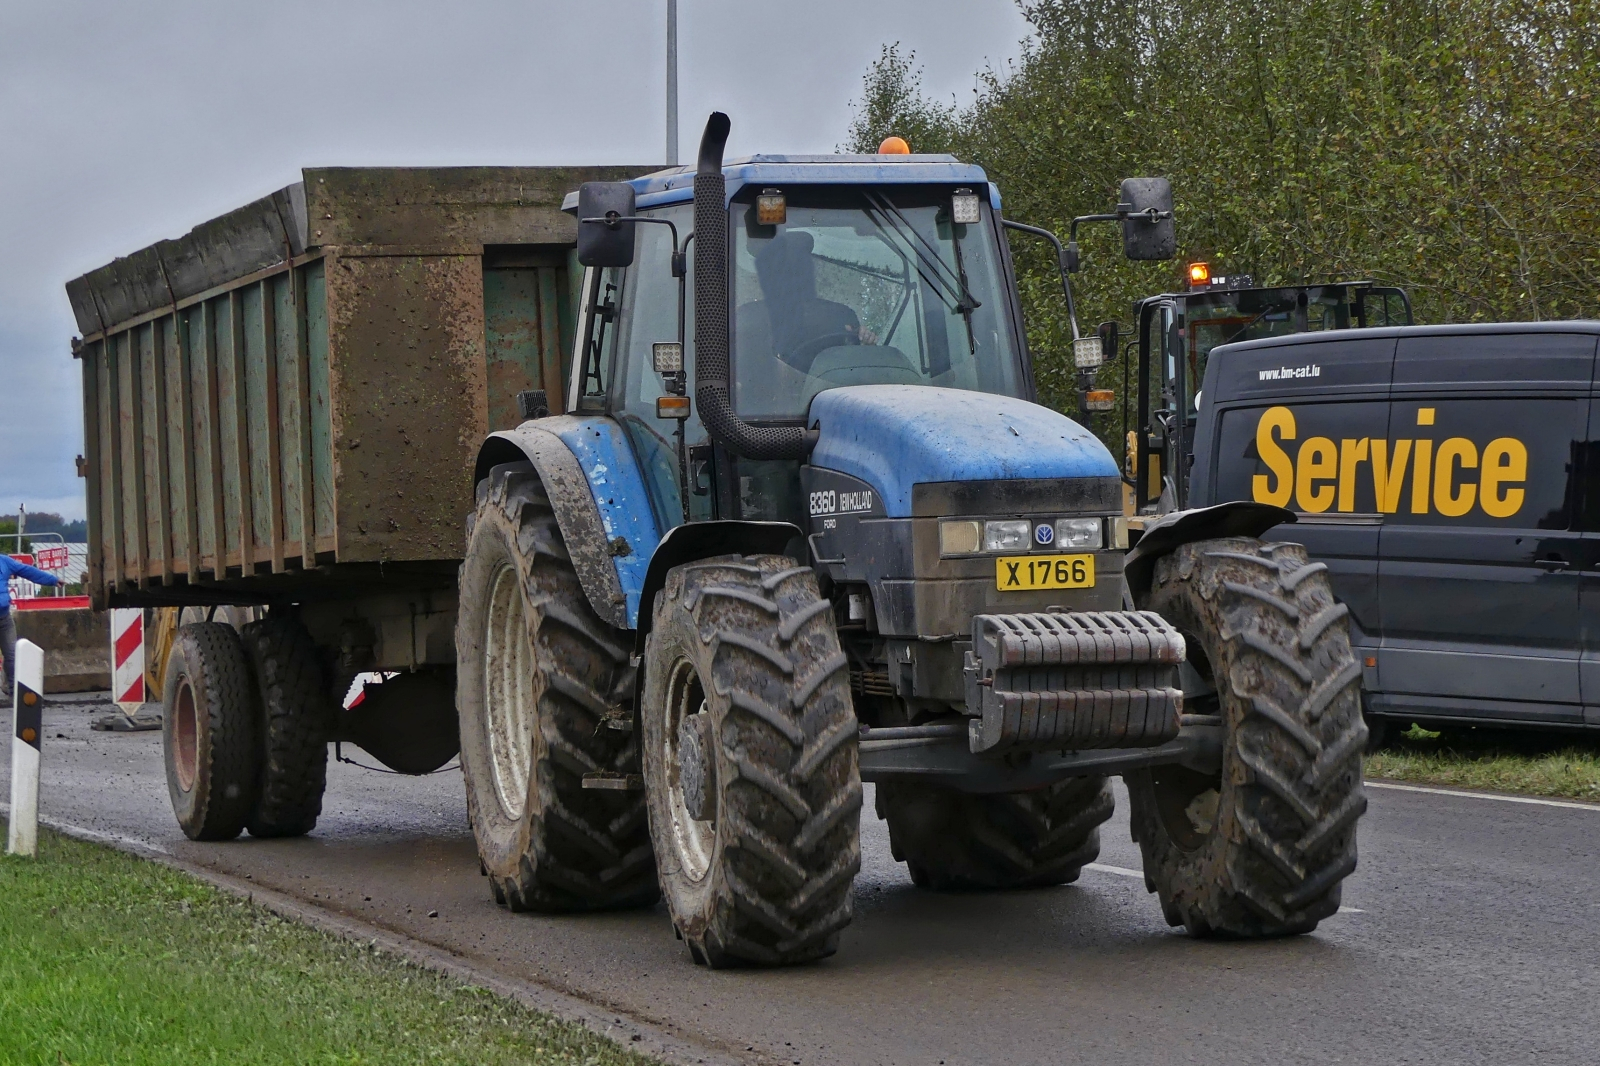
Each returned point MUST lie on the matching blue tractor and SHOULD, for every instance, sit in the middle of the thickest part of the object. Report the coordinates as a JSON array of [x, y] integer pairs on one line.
[[835, 540]]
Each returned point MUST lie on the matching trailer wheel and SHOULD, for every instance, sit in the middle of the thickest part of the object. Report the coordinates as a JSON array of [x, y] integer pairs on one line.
[[208, 732], [750, 762], [295, 713], [955, 841], [543, 685], [1261, 848]]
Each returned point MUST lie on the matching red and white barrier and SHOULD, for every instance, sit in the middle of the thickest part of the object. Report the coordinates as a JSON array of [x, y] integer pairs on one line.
[[27, 729], [127, 658]]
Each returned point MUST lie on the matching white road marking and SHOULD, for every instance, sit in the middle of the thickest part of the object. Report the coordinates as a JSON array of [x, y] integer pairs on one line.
[[1567, 804], [1120, 871], [1123, 871], [95, 836]]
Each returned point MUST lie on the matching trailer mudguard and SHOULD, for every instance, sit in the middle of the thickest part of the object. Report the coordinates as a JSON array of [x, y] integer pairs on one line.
[[599, 499], [1240, 518]]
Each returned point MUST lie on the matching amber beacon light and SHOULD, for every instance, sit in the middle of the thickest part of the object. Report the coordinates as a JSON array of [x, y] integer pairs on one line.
[[894, 146], [1199, 273]]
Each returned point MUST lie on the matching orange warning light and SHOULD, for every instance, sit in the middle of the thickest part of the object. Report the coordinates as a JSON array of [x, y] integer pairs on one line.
[[894, 146], [1199, 273]]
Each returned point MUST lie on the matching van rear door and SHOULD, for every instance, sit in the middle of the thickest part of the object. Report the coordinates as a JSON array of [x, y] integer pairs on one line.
[[1479, 553]]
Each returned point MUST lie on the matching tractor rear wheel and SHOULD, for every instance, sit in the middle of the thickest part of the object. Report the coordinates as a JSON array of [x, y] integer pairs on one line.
[[1261, 848], [295, 716], [209, 732], [750, 762], [954, 841], [542, 685]]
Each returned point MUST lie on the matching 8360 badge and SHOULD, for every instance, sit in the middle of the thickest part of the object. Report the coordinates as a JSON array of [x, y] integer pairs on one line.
[[1019, 573]]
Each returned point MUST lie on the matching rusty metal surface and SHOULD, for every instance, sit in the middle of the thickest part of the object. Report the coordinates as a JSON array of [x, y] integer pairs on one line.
[[306, 381], [1088, 679]]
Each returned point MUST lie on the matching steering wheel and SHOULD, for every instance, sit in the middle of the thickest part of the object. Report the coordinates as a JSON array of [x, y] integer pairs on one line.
[[802, 357]]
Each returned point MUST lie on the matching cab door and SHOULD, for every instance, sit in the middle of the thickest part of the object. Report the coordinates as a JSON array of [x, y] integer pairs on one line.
[[1480, 551]]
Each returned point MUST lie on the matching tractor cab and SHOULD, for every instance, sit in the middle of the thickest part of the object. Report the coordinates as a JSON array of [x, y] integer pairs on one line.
[[1176, 333]]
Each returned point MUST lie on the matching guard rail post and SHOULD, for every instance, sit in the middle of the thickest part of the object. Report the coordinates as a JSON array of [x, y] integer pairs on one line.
[[27, 687]]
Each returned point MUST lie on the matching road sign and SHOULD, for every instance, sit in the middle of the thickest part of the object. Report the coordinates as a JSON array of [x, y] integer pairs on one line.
[[52, 558], [127, 658]]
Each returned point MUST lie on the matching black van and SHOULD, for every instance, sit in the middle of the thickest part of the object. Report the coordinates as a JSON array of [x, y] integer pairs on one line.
[[1447, 475]]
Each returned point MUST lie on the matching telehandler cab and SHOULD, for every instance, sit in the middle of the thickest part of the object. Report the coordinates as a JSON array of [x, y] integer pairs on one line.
[[834, 540]]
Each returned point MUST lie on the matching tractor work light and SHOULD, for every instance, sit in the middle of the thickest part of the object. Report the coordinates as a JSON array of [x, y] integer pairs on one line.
[[1100, 400], [1199, 274], [964, 207], [1079, 532], [1088, 353], [962, 537], [1007, 536], [672, 407], [772, 208], [667, 357]]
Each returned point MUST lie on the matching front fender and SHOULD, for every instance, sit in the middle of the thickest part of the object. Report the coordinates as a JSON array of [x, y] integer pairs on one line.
[[702, 540], [1237, 518]]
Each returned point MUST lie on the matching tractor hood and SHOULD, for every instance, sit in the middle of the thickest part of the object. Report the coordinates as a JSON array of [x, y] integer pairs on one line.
[[896, 436]]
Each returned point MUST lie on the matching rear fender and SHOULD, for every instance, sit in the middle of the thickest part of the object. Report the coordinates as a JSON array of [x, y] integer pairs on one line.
[[599, 499], [1238, 518]]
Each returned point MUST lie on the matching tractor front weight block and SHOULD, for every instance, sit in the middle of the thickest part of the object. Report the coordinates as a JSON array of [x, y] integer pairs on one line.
[[1072, 680]]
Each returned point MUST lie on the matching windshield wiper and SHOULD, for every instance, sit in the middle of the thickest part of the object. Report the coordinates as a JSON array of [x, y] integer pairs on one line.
[[951, 286]]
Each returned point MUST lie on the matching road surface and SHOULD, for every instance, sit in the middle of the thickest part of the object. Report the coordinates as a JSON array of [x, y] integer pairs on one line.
[[1471, 934]]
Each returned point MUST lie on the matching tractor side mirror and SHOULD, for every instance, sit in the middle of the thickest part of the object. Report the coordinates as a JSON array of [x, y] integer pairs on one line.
[[1148, 231], [605, 229]]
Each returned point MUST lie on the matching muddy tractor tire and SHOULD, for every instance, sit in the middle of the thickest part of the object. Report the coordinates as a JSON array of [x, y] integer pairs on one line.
[[209, 732], [296, 711], [1261, 848], [544, 688], [955, 842], [750, 762]]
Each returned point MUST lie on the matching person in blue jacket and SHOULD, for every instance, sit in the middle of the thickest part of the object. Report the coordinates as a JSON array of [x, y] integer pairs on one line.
[[10, 568]]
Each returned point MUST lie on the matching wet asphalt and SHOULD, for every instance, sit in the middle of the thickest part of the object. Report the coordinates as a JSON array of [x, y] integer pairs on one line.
[[1471, 934]]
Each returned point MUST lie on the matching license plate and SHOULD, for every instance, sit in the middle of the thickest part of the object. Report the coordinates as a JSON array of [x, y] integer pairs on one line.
[[1017, 573]]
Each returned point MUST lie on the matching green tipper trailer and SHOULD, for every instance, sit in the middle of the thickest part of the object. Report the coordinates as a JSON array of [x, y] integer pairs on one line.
[[284, 405]]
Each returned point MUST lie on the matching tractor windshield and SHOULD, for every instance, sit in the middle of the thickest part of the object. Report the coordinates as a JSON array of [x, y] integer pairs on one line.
[[860, 287]]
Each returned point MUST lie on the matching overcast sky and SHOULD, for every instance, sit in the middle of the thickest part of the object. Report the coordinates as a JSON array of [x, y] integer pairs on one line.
[[123, 123]]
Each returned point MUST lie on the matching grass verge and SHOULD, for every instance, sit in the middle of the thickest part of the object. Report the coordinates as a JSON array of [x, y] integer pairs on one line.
[[105, 958], [1536, 764]]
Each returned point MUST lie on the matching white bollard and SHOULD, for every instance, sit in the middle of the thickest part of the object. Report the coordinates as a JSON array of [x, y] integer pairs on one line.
[[27, 687]]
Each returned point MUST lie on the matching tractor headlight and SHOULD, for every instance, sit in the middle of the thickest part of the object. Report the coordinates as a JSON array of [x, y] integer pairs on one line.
[[962, 537], [1079, 532], [1010, 536]]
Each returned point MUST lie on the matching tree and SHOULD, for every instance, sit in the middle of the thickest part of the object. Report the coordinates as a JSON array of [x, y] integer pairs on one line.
[[1444, 145]]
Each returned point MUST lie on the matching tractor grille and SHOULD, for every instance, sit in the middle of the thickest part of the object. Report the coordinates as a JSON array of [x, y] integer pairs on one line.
[[1071, 681]]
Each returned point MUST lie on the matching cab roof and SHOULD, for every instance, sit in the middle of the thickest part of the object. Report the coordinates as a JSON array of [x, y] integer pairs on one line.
[[676, 184]]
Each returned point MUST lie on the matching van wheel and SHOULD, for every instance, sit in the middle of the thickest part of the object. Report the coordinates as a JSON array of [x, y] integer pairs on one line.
[[295, 712], [954, 841], [1261, 848], [208, 732], [750, 762], [542, 683]]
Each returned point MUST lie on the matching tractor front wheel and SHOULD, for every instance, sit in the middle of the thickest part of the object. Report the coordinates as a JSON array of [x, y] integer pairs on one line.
[[750, 762], [1261, 848]]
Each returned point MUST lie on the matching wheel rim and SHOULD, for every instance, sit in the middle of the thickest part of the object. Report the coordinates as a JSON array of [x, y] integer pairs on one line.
[[693, 841], [1187, 800], [185, 736], [509, 698]]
